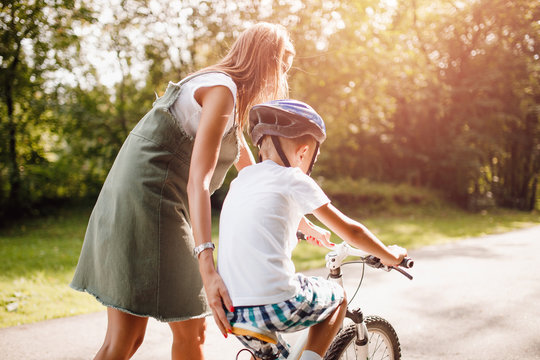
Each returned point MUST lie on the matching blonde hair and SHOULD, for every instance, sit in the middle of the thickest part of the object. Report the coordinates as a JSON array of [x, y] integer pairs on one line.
[[254, 62]]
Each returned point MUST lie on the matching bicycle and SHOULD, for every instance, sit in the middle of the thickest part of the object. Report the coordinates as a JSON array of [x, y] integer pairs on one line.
[[371, 337]]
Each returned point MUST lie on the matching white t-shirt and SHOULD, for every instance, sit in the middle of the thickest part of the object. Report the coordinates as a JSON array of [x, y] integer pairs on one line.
[[188, 111], [257, 231]]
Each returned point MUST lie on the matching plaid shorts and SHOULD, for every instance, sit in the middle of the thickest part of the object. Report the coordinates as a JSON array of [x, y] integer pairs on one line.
[[315, 301]]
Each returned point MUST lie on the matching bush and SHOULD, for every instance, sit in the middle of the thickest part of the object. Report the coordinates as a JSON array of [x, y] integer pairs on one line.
[[365, 197]]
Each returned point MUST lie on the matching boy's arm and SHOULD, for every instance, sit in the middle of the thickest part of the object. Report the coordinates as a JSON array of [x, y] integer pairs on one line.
[[358, 235]]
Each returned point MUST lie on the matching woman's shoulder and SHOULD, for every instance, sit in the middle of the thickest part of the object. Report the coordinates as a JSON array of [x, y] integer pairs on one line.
[[213, 78]]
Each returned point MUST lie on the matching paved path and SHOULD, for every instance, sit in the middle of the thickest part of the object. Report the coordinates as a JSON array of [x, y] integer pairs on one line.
[[472, 299]]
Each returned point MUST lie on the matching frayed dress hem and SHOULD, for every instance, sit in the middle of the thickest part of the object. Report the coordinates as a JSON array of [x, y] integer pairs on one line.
[[159, 318]]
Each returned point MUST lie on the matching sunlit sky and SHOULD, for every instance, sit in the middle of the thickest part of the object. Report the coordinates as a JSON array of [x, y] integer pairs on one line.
[[98, 39], [172, 19]]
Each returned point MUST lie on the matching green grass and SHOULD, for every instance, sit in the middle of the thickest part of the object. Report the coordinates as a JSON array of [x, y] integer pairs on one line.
[[38, 256], [408, 216], [37, 261], [425, 228]]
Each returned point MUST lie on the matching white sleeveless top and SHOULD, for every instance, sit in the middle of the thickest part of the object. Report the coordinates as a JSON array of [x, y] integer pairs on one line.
[[188, 111]]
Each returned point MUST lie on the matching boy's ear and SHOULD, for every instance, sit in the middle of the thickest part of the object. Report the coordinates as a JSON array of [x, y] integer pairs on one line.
[[302, 150]]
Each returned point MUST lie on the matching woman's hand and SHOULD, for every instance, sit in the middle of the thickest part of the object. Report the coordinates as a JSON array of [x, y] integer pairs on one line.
[[315, 235], [216, 292]]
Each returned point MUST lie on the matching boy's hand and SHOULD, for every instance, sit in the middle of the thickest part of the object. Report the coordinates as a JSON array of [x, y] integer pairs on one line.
[[397, 252]]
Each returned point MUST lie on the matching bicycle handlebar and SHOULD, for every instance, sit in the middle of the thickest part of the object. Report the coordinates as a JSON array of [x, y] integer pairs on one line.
[[407, 263], [343, 250], [376, 263]]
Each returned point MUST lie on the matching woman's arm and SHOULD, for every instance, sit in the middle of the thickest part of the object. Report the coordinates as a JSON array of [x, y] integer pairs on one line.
[[315, 235], [358, 235], [246, 157], [217, 105]]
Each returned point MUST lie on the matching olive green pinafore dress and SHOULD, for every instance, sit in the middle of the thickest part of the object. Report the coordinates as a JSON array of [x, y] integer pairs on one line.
[[137, 254]]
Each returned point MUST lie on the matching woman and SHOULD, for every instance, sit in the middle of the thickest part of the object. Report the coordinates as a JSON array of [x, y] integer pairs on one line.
[[154, 207]]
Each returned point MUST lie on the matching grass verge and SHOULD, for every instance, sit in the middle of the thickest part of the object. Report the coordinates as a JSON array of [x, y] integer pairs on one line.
[[420, 229], [37, 261], [38, 256]]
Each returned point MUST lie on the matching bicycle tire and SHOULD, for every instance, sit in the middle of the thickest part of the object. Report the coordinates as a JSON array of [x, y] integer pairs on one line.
[[380, 333]]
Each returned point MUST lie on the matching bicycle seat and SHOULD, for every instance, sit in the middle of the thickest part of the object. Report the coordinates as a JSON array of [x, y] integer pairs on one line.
[[244, 329]]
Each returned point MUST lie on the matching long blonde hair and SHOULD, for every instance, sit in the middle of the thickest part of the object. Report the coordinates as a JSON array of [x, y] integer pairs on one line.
[[254, 62]]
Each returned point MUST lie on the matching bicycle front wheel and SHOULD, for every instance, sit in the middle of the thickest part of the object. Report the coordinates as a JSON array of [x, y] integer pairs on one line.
[[383, 342]]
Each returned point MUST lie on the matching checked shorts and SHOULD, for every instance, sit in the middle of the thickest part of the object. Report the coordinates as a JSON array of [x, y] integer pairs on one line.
[[316, 300]]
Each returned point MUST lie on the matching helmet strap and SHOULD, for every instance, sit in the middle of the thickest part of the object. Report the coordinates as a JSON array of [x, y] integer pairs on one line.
[[259, 149], [277, 145], [313, 159]]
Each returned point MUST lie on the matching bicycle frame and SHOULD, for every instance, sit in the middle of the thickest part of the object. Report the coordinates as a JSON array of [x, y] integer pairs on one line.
[[334, 260]]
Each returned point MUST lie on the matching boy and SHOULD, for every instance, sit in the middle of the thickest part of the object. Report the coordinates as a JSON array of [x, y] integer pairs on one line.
[[258, 224]]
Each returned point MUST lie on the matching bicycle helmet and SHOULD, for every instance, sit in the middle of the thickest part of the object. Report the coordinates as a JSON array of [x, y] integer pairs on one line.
[[286, 118]]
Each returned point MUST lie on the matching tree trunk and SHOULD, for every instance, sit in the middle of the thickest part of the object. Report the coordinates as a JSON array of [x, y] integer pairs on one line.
[[532, 203], [14, 174], [13, 166]]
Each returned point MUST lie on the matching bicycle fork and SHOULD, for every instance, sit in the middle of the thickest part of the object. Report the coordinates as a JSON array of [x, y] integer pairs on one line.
[[362, 337], [333, 263]]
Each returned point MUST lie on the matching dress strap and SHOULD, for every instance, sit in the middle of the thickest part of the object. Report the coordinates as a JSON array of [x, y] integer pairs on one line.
[[192, 76], [173, 90]]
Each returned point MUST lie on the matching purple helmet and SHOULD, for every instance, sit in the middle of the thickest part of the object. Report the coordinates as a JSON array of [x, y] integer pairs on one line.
[[288, 119], [285, 118]]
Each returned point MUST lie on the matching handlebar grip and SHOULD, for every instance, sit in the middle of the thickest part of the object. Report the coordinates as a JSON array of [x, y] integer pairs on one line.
[[407, 263]]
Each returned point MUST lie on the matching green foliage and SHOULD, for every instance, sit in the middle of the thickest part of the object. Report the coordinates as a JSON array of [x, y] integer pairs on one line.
[[37, 39], [438, 94], [369, 198]]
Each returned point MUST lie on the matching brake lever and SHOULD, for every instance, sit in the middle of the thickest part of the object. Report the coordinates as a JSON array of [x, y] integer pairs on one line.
[[377, 264], [403, 272]]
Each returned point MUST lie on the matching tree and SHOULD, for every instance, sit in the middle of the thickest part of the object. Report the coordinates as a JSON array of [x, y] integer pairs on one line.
[[488, 58], [442, 94], [437, 94], [37, 39]]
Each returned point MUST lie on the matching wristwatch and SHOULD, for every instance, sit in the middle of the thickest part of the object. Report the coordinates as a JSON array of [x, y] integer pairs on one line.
[[198, 249]]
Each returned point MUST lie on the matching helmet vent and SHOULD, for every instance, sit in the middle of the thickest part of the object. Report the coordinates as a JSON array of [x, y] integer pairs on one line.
[[282, 120]]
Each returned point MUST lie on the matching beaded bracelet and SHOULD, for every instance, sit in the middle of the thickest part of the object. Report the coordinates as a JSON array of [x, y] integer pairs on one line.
[[198, 249]]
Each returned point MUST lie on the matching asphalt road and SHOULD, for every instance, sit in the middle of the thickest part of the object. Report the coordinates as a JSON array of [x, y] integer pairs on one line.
[[473, 299]]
